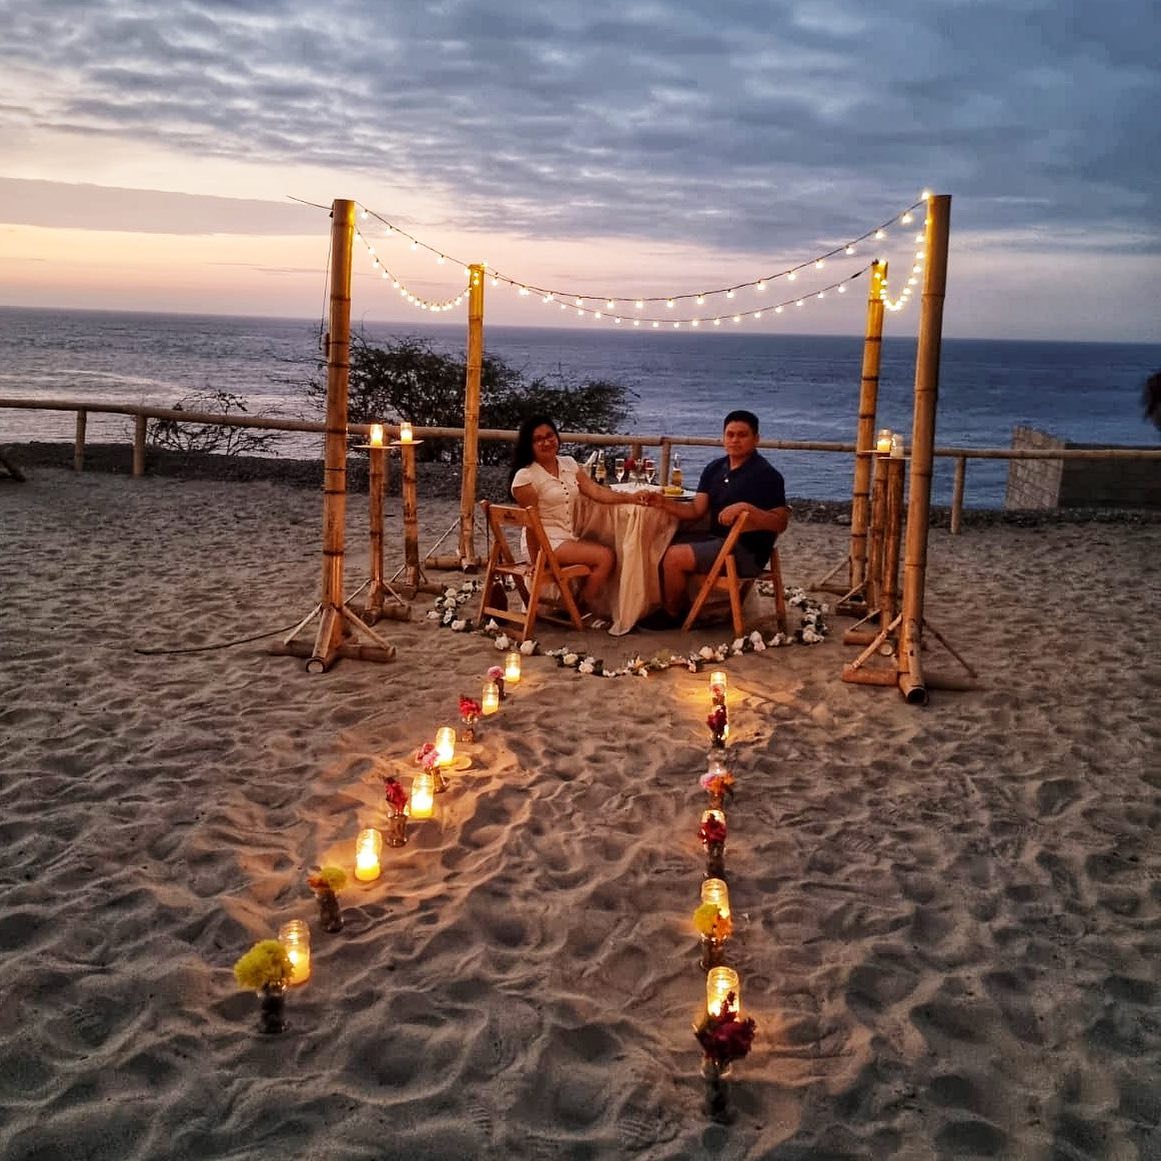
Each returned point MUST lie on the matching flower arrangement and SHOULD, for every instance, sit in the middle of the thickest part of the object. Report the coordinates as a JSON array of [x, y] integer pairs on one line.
[[448, 613], [724, 1038], [718, 722], [712, 832], [496, 673], [470, 710], [265, 965], [711, 924], [326, 883], [395, 794], [719, 785]]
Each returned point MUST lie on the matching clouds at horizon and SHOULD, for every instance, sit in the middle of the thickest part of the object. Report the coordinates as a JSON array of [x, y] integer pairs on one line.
[[740, 126]]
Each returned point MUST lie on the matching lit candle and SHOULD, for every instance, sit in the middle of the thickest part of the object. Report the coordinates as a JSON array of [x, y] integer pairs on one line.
[[715, 814], [422, 795], [445, 745], [716, 892], [405, 435], [883, 442], [718, 687], [367, 848], [490, 702], [295, 937], [719, 983], [896, 446], [512, 668], [376, 435]]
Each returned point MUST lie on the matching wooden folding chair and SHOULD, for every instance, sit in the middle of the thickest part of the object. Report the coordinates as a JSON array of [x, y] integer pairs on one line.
[[532, 576], [723, 576]]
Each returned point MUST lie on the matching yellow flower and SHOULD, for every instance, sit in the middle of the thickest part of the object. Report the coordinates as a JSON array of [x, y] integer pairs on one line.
[[265, 963], [333, 878], [710, 923]]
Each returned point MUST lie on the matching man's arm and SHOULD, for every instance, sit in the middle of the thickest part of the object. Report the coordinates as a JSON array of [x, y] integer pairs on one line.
[[693, 509], [758, 519]]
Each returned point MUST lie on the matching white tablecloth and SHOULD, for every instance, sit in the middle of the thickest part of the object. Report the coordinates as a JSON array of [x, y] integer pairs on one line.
[[639, 536]]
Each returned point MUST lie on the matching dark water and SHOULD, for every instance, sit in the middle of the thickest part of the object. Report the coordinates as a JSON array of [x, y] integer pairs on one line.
[[802, 387]]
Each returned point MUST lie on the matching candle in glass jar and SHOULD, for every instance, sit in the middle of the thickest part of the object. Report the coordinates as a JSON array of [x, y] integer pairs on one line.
[[490, 702], [422, 795], [295, 938], [405, 435], [719, 983], [368, 847], [716, 892], [445, 745], [897, 450], [883, 441], [376, 435], [512, 668], [718, 687]]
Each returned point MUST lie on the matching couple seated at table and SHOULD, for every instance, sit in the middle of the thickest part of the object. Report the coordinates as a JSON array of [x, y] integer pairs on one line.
[[741, 481]]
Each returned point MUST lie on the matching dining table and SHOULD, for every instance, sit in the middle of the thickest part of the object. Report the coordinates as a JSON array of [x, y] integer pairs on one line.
[[639, 536]]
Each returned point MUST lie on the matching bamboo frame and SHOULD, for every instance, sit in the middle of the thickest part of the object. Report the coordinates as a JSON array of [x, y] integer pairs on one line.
[[377, 606], [468, 557], [856, 559], [337, 621], [79, 442], [412, 571]]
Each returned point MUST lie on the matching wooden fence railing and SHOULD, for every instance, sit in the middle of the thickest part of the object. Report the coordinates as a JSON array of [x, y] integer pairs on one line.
[[636, 443]]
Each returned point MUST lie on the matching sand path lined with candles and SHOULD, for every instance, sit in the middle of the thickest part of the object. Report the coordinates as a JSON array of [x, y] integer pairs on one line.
[[945, 919]]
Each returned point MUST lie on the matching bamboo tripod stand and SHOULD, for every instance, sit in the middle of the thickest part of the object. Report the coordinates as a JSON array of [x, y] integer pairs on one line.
[[414, 577], [854, 599], [383, 602], [909, 622], [339, 627]]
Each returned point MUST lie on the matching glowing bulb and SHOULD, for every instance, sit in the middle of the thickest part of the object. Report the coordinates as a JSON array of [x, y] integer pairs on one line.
[[414, 245], [907, 218], [777, 310], [717, 322], [580, 302], [700, 299], [819, 264], [737, 318], [440, 260], [926, 194], [761, 284], [656, 324], [800, 302], [880, 233], [729, 294], [791, 276], [850, 249], [669, 304], [639, 303], [842, 289]]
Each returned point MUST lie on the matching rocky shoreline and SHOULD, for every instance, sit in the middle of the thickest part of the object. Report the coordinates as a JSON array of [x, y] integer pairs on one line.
[[441, 481]]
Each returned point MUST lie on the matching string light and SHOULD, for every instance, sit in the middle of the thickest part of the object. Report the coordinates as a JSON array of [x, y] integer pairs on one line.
[[415, 300], [758, 284]]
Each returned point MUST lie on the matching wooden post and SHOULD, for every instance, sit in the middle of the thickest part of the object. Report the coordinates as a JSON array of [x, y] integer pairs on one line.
[[410, 514], [472, 414], [957, 494], [79, 442], [874, 575], [140, 425], [923, 445], [865, 436]]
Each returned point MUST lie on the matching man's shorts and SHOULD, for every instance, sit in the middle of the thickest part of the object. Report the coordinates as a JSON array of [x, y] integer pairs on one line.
[[706, 549]]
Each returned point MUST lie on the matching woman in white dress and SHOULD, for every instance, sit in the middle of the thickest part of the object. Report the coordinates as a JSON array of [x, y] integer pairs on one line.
[[550, 483]]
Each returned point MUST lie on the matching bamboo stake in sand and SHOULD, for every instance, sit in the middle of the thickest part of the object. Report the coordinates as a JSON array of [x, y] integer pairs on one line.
[[378, 606], [336, 620], [864, 440], [468, 556]]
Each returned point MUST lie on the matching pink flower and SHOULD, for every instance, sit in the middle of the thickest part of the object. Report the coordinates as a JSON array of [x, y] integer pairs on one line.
[[469, 707], [423, 751], [495, 673], [396, 795]]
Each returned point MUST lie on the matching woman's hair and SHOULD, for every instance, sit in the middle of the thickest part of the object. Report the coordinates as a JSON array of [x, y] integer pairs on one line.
[[522, 453]]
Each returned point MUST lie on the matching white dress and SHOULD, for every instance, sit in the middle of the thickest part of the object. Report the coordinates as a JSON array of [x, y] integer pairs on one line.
[[554, 497]]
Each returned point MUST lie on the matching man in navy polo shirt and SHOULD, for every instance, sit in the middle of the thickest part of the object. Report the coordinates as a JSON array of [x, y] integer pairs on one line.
[[740, 481]]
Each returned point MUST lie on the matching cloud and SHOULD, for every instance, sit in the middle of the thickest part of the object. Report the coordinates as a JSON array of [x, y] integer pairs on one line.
[[82, 206], [735, 121]]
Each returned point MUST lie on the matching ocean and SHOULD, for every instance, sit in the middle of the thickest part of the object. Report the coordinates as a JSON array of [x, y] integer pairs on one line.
[[802, 387]]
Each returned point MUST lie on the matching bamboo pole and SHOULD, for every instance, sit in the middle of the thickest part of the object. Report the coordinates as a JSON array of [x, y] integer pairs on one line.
[[957, 494], [79, 442], [923, 444], [472, 412], [892, 538], [865, 434], [140, 426]]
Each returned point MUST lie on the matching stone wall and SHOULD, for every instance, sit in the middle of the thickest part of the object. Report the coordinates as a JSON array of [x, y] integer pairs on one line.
[[1034, 484]]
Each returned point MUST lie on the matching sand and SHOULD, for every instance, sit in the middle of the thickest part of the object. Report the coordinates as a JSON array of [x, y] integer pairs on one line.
[[948, 919]]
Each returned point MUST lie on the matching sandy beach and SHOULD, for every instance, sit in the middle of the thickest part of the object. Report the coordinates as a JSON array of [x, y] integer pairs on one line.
[[947, 918]]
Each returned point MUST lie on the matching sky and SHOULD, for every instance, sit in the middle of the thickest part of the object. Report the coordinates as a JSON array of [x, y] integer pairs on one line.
[[152, 151]]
